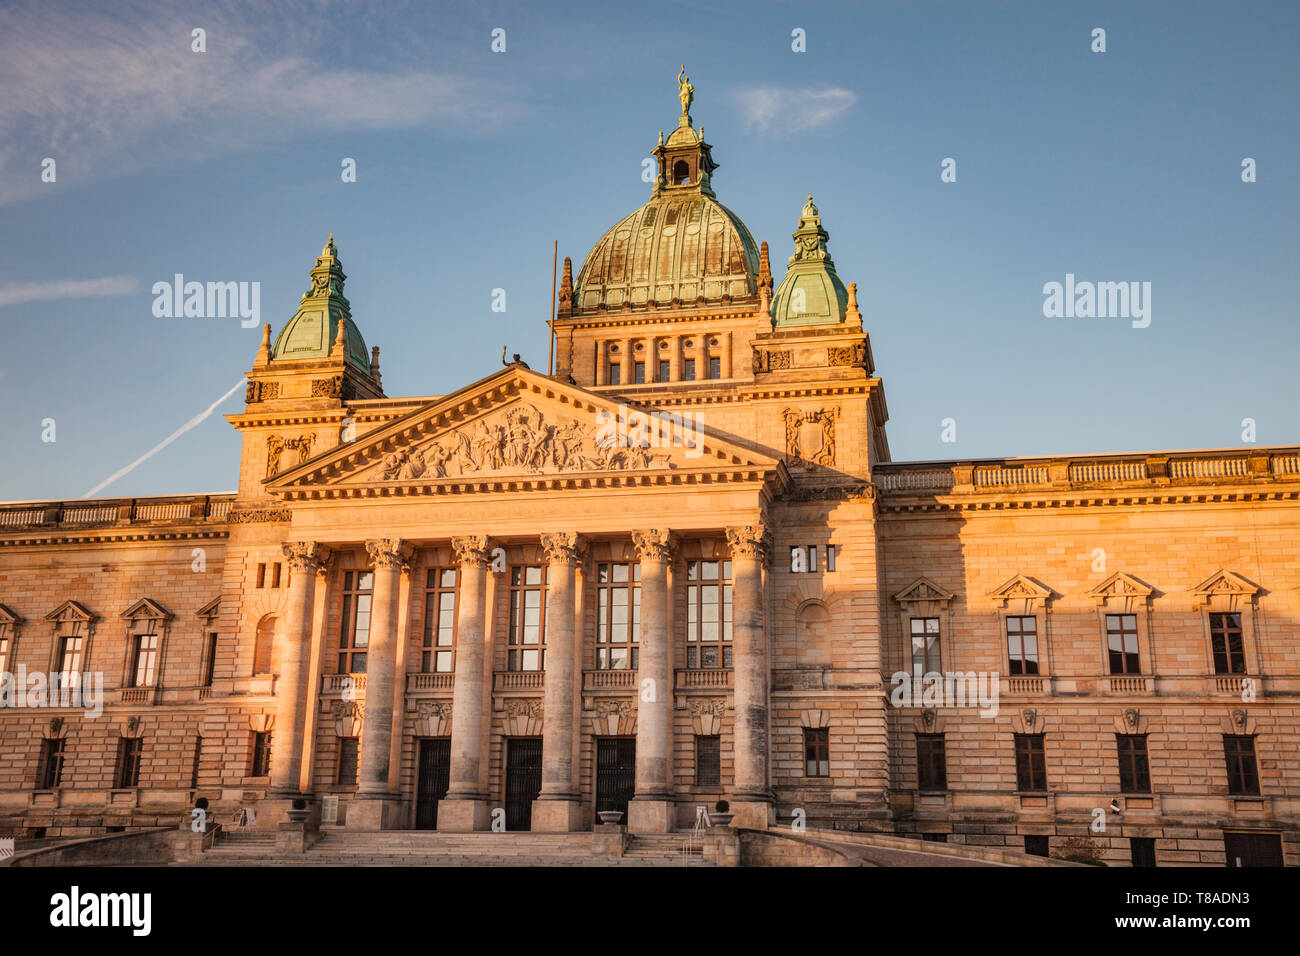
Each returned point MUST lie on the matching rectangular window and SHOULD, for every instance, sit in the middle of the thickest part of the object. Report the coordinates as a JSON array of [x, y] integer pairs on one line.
[[71, 648], [261, 575], [355, 636], [708, 614], [638, 373], [816, 752], [1022, 645], [1031, 764], [1243, 772], [1225, 640], [715, 367], [1037, 845], [1134, 773], [618, 616], [50, 773], [931, 769], [1122, 643], [1142, 851], [688, 370], [347, 770], [437, 651], [260, 765], [4, 648], [145, 656], [830, 557], [209, 661], [665, 370], [615, 373], [925, 646], [127, 772], [708, 760], [275, 575], [526, 640]]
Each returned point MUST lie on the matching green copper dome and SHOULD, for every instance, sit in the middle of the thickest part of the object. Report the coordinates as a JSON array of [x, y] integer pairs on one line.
[[679, 246], [811, 293], [311, 333]]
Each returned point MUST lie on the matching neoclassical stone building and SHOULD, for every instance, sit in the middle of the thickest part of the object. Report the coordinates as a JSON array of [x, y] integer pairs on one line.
[[680, 568]]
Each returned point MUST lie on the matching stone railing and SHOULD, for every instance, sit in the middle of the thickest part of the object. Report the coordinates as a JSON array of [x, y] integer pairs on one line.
[[338, 683], [594, 680], [703, 677], [519, 680], [1066, 474], [112, 511], [138, 695], [441, 681]]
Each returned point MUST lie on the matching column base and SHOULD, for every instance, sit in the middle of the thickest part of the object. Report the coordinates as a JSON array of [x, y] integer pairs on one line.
[[383, 813], [755, 814], [463, 815], [651, 816], [557, 816]]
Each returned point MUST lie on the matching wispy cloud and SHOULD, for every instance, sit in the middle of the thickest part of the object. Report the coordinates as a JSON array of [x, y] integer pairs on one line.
[[13, 293], [778, 109], [111, 91]]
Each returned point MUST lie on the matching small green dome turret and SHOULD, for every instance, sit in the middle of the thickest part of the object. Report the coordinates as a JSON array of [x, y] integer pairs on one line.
[[311, 333], [811, 293]]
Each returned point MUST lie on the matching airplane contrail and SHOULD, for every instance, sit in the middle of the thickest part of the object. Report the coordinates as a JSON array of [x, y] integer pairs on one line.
[[165, 442]]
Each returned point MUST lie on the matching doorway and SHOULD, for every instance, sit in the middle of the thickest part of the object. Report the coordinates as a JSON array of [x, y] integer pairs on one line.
[[1253, 849], [523, 780], [615, 773], [432, 781]]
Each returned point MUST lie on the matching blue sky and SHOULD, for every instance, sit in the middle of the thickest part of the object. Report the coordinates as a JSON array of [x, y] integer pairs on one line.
[[225, 166]]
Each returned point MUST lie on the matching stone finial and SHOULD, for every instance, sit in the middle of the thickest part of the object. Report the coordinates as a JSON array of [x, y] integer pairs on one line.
[[264, 350], [340, 341], [374, 366], [851, 313], [566, 286]]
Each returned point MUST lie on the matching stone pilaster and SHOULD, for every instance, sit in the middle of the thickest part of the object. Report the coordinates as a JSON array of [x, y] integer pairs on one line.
[[466, 804], [753, 796], [305, 560], [557, 807], [376, 807], [652, 809]]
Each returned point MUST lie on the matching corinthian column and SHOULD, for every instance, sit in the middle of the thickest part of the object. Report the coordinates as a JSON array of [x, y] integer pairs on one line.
[[652, 809], [753, 803], [466, 804], [305, 559], [375, 806], [557, 806]]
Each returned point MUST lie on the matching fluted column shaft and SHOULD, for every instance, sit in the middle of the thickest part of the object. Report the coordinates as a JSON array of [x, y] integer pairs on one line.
[[469, 693], [749, 649], [654, 669], [389, 556], [305, 559], [561, 696]]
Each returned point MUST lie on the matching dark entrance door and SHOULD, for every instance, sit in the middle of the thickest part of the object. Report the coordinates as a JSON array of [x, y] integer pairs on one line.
[[1253, 849], [434, 778], [615, 773], [523, 780]]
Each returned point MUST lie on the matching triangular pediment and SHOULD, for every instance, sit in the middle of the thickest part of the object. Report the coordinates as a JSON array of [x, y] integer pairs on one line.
[[1225, 582], [211, 609], [71, 611], [923, 589], [147, 608], [9, 617], [519, 427], [1121, 584], [1020, 587]]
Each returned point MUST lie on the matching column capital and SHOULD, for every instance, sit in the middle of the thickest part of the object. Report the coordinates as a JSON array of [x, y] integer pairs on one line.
[[750, 541], [305, 557], [564, 547], [473, 550], [656, 544], [389, 553]]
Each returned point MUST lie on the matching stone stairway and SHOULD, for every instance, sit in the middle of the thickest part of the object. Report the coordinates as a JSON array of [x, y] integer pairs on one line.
[[427, 848], [665, 849]]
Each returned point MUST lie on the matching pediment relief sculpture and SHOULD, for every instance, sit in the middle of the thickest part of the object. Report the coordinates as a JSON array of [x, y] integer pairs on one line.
[[524, 440]]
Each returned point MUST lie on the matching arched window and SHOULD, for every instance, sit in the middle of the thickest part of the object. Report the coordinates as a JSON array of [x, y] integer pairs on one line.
[[681, 173], [265, 644]]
